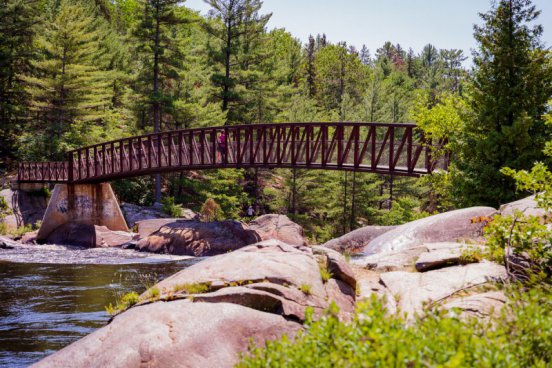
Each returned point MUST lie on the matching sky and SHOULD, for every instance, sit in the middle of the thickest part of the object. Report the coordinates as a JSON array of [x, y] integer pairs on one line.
[[446, 24]]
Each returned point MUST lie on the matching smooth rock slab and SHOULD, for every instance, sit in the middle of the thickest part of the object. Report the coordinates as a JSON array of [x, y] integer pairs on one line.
[[337, 265], [134, 214], [528, 206], [479, 305], [268, 261], [440, 257], [148, 227], [356, 240], [412, 290], [401, 260], [175, 334], [195, 238], [279, 227], [448, 226], [269, 276]]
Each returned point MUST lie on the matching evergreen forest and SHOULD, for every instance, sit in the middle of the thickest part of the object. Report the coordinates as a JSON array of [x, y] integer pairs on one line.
[[79, 72]]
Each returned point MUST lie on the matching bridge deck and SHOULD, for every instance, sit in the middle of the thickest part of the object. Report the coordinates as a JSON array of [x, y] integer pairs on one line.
[[364, 147]]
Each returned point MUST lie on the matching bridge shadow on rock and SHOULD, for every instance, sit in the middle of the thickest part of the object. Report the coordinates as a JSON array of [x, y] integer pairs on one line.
[[195, 238]]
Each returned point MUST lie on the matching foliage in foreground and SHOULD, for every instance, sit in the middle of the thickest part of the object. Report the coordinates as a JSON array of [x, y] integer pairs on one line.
[[123, 303], [521, 337], [522, 236]]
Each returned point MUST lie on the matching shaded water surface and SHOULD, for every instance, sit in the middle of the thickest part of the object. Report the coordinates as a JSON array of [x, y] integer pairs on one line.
[[46, 306]]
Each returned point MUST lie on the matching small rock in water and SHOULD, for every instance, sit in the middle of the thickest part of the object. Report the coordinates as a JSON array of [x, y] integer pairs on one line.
[[6, 243]]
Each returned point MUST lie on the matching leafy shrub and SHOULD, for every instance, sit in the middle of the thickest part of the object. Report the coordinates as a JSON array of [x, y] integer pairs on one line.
[[5, 209], [135, 190], [3, 229], [197, 288], [306, 289], [154, 293], [325, 274], [22, 230], [171, 208], [404, 210], [525, 236], [521, 337], [211, 211], [123, 303], [471, 254]]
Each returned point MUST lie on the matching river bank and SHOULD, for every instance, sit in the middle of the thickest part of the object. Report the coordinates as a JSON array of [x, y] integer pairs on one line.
[[54, 295]]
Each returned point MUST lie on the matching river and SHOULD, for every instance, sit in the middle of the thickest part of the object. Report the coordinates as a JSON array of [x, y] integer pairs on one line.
[[51, 296]]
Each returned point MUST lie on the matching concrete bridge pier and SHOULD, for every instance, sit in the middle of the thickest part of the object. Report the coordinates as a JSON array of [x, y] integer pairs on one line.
[[90, 204]]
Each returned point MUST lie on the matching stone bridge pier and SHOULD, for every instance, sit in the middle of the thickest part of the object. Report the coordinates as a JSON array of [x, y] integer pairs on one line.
[[89, 204]]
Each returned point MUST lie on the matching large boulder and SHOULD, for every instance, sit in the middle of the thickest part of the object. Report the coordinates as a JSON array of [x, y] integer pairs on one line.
[[414, 291], [134, 214], [400, 260], [269, 276], [527, 206], [422, 258], [27, 207], [356, 240], [209, 313], [482, 305], [175, 334], [147, 227], [89, 236], [195, 238], [6, 243], [279, 227], [461, 224]]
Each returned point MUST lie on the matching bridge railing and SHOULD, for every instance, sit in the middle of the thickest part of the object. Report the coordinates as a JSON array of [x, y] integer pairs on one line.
[[43, 171], [370, 147]]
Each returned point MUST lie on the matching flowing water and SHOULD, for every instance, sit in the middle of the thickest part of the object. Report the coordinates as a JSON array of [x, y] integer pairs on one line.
[[51, 296]]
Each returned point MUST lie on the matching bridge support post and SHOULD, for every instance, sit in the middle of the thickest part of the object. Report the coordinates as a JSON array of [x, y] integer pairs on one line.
[[91, 204]]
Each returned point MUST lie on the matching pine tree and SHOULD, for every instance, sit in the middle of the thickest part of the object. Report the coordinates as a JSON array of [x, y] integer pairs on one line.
[[68, 90], [431, 68], [452, 68], [238, 28], [511, 85], [20, 19], [157, 44], [310, 69], [365, 56]]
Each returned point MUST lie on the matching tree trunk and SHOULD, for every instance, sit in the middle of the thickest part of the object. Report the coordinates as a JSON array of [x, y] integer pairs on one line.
[[353, 207], [156, 104], [226, 87]]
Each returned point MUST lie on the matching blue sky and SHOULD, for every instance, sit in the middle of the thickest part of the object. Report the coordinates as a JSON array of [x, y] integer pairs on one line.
[[412, 23]]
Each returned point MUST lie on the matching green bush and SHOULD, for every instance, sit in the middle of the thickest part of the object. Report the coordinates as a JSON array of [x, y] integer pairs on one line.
[[211, 211], [171, 208], [521, 337], [196, 288], [124, 302], [3, 229], [471, 254], [135, 190], [526, 236], [5, 209]]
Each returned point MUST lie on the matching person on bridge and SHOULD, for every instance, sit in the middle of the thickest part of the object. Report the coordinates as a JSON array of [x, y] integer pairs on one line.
[[222, 146]]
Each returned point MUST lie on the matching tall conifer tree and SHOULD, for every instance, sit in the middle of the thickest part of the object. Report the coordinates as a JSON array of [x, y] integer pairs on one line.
[[67, 85], [19, 20], [239, 29], [157, 44], [511, 85]]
